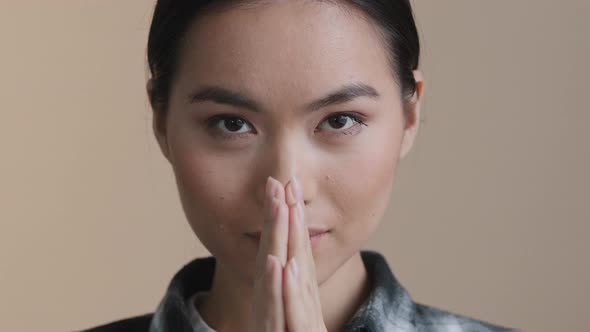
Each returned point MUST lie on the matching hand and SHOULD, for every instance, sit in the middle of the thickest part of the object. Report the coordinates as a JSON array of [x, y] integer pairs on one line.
[[286, 296]]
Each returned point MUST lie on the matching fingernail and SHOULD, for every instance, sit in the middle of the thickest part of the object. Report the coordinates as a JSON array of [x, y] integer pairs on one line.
[[301, 213], [293, 267], [291, 197], [268, 264], [271, 190], [269, 208], [297, 189], [275, 206], [267, 191]]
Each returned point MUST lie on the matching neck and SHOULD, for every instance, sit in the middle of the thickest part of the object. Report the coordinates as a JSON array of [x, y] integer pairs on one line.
[[343, 293], [227, 306]]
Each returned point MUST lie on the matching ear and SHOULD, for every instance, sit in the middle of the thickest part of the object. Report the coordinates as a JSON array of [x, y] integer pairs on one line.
[[412, 115], [158, 121]]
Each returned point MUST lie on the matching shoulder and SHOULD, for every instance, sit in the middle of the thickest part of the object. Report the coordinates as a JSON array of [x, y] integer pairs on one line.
[[139, 323], [432, 319]]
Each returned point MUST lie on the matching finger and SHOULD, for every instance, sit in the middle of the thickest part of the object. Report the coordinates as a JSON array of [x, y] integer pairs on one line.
[[300, 290], [272, 231], [299, 242], [268, 312], [295, 315], [298, 235], [275, 315], [267, 309], [279, 226], [300, 249]]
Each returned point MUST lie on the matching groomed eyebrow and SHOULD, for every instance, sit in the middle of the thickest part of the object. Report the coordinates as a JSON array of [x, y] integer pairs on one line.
[[225, 96]]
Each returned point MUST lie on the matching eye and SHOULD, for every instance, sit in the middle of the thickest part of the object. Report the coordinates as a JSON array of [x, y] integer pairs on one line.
[[342, 122], [229, 124], [232, 126]]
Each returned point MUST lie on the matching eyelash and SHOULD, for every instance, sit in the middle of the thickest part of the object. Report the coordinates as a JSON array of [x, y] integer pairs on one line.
[[213, 121]]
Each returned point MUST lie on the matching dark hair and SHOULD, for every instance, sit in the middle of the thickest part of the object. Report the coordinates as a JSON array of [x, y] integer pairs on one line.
[[172, 19]]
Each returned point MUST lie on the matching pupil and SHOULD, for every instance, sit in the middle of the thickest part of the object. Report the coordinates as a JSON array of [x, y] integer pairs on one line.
[[234, 124], [337, 121]]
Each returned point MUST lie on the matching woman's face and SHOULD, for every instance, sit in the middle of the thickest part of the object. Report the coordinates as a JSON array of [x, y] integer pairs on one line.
[[260, 92]]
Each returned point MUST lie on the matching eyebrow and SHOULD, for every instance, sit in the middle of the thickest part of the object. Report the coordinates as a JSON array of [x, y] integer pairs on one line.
[[221, 95]]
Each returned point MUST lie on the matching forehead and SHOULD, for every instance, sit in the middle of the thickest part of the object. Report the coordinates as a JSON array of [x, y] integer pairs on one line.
[[284, 48]]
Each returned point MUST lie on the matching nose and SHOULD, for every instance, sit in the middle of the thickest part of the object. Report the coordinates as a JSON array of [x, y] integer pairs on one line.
[[284, 158]]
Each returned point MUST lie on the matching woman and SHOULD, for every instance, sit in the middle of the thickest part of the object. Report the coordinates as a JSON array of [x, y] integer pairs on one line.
[[284, 122]]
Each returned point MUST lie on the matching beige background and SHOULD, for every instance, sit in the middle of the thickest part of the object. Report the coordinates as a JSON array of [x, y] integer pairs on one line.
[[490, 212]]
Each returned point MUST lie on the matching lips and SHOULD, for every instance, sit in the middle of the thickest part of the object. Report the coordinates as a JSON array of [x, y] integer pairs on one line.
[[313, 231]]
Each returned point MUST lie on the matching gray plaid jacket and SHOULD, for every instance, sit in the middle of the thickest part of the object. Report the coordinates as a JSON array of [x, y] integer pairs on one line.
[[389, 307]]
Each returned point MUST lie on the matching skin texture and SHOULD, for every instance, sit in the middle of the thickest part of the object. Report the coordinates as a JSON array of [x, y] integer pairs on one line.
[[284, 55]]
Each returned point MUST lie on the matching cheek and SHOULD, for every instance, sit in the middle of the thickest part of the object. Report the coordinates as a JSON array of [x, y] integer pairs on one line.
[[210, 192], [366, 185], [209, 187], [361, 190]]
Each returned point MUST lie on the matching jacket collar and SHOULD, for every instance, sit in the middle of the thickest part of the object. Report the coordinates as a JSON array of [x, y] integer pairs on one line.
[[387, 308]]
